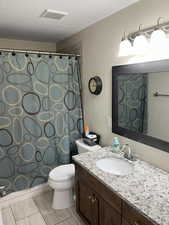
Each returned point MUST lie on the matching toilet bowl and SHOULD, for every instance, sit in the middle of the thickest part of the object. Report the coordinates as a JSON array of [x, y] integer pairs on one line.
[[61, 179]]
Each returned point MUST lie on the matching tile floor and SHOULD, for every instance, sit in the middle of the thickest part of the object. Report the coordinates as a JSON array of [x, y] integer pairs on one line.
[[38, 211]]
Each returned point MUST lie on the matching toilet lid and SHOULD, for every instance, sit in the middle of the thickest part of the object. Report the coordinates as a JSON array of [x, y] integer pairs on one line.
[[63, 172]]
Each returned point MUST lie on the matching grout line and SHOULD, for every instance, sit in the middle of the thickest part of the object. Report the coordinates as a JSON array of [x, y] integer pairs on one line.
[[40, 211], [62, 221], [12, 214], [24, 213], [27, 217], [43, 217], [77, 223], [32, 214], [59, 221], [77, 218]]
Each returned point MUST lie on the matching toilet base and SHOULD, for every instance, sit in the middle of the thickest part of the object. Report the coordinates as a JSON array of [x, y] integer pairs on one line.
[[62, 199]]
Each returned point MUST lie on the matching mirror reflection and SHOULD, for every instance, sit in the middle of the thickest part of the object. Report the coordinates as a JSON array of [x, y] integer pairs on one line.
[[143, 103]]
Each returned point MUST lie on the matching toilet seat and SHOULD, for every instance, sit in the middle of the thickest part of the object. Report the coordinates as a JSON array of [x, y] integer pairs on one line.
[[62, 173]]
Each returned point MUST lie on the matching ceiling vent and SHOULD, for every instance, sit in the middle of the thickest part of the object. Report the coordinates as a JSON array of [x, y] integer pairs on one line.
[[52, 14]]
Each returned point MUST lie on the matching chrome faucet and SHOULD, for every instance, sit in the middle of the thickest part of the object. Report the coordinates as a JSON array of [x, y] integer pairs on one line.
[[2, 191], [127, 152]]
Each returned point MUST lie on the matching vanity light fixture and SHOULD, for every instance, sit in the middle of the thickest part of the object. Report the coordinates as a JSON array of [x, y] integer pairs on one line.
[[148, 40], [140, 43], [125, 46]]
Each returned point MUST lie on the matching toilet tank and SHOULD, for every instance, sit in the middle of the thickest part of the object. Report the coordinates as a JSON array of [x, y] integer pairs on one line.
[[82, 147]]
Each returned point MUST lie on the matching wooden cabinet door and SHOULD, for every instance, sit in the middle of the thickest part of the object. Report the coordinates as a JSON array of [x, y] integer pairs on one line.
[[88, 204], [133, 217], [84, 202], [95, 209], [108, 215]]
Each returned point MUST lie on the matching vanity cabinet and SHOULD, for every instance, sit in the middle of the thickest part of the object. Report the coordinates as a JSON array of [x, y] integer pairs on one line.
[[98, 205]]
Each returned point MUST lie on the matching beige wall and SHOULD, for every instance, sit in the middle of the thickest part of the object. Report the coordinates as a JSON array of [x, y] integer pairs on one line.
[[158, 107], [100, 44], [28, 45]]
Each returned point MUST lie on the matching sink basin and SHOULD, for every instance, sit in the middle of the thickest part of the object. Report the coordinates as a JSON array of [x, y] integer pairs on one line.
[[115, 166]]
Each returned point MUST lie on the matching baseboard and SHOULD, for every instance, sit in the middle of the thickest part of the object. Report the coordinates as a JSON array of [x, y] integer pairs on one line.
[[22, 195]]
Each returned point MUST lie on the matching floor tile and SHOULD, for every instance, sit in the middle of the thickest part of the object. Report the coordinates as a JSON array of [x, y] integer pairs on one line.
[[7, 216], [44, 203], [72, 210], [24, 209], [57, 216], [23, 222], [74, 214], [35, 219], [70, 221], [38, 211]]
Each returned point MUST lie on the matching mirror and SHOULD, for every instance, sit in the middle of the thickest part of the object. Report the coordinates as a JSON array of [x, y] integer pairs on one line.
[[140, 102]]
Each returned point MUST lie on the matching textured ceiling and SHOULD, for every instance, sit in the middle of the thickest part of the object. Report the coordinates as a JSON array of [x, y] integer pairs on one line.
[[20, 19]]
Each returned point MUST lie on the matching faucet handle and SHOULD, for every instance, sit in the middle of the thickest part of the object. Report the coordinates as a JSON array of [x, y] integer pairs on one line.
[[129, 149], [2, 191]]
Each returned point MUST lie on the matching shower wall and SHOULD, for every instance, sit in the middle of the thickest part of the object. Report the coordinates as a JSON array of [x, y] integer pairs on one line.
[[40, 116]]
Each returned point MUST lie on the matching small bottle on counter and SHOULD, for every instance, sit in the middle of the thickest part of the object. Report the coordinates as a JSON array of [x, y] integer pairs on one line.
[[116, 145], [86, 129]]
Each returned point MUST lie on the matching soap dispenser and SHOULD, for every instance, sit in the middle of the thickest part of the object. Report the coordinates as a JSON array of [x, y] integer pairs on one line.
[[116, 145]]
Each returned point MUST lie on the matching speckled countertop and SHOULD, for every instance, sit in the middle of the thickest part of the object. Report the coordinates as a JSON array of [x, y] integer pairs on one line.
[[146, 188]]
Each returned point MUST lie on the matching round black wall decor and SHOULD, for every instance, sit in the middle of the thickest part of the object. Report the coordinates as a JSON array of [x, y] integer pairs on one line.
[[95, 85]]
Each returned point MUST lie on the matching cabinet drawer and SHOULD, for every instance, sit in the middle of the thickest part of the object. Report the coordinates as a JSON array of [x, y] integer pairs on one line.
[[133, 217], [99, 188]]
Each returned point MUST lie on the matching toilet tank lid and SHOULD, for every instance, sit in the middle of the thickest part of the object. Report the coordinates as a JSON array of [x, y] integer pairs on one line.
[[62, 172], [80, 143]]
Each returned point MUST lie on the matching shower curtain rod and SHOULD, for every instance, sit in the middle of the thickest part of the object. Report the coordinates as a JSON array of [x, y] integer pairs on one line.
[[37, 52]]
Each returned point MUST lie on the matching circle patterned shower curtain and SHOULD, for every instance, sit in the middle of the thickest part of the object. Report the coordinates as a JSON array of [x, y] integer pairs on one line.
[[40, 116]]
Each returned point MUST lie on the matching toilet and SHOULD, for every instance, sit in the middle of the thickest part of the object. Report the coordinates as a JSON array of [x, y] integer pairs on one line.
[[61, 179]]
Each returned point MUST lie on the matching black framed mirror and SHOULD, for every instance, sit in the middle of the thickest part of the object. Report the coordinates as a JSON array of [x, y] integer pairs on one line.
[[140, 102]]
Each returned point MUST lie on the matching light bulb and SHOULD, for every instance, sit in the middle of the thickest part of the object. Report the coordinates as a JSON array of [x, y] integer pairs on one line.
[[140, 44], [158, 38], [125, 48]]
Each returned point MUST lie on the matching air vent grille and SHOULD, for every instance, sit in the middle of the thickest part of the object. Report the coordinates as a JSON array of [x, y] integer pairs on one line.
[[52, 14]]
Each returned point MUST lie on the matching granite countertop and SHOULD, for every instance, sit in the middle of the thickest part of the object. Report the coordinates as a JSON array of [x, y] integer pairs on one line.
[[146, 188]]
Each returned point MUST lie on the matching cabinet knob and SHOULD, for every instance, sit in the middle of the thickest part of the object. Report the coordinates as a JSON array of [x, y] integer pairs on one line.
[[93, 200], [89, 197]]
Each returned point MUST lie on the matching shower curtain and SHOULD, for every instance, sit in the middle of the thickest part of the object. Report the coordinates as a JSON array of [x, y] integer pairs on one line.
[[132, 102], [40, 116]]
